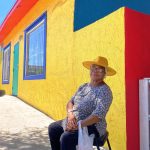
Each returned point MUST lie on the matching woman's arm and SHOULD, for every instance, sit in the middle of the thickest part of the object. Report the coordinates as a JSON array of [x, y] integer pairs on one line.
[[69, 107], [72, 123], [90, 121], [101, 110]]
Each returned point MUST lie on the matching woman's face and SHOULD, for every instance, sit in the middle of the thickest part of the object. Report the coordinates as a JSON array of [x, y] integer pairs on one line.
[[97, 72]]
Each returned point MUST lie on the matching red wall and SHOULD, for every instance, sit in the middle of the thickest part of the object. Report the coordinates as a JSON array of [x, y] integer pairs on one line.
[[137, 66]]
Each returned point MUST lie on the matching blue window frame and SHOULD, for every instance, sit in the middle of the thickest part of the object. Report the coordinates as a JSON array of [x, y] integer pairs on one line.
[[6, 64], [35, 49]]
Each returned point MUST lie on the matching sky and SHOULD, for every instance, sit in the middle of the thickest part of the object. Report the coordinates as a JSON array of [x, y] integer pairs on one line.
[[5, 7]]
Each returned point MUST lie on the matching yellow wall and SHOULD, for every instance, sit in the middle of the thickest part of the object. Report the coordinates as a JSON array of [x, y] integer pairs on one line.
[[65, 52], [1, 56]]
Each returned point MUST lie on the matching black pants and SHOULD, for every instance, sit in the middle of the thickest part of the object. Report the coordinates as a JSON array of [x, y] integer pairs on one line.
[[65, 140]]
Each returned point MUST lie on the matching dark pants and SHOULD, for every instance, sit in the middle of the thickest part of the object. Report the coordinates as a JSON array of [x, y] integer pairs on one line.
[[65, 140]]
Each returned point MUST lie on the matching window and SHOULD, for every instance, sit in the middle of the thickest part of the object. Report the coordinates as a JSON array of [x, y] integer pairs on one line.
[[6, 64], [35, 49]]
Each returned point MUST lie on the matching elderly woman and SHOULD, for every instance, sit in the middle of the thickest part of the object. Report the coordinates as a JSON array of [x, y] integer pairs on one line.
[[90, 104]]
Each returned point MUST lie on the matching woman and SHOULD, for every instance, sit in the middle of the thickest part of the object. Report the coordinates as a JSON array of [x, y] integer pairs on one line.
[[90, 104]]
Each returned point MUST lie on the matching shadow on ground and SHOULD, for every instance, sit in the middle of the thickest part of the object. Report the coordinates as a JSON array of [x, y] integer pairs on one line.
[[29, 139]]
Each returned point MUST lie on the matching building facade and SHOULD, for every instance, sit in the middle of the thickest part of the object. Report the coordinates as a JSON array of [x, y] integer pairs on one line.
[[42, 53]]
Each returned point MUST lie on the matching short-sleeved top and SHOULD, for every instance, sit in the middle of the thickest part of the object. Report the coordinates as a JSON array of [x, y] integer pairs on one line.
[[89, 100]]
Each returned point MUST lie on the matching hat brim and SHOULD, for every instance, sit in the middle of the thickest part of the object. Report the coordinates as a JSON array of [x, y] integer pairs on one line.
[[110, 71]]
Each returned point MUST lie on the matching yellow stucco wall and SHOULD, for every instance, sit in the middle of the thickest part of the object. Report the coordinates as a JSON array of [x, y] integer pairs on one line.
[[65, 52], [1, 56]]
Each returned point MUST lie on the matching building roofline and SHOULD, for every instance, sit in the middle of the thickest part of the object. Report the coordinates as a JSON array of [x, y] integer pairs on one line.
[[18, 11]]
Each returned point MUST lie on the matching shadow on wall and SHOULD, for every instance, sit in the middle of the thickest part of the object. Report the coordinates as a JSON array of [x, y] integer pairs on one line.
[[2, 93], [29, 139]]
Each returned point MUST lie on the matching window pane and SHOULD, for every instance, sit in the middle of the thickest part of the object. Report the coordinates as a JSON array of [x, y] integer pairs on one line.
[[35, 51], [6, 64]]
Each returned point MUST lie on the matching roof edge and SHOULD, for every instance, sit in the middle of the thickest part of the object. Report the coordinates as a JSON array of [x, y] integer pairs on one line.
[[18, 11]]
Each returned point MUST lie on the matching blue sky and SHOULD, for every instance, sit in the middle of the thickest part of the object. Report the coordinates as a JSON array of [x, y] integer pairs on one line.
[[5, 7]]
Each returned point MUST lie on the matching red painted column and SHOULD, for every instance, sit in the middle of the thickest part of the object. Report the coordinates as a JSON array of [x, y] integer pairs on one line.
[[137, 66]]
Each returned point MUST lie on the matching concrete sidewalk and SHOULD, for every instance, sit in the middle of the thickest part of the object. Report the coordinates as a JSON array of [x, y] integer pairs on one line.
[[21, 126]]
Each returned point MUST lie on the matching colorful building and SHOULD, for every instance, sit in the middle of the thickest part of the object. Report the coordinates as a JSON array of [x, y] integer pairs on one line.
[[43, 44]]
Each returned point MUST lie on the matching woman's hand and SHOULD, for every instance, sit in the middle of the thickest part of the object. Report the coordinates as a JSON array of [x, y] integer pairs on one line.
[[71, 122]]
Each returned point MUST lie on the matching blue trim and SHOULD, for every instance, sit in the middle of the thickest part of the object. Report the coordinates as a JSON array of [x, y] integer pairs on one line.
[[35, 23], [142, 6], [89, 11], [6, 82]]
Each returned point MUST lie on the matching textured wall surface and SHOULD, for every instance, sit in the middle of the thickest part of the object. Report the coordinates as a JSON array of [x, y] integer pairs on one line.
[[137, 66], [1, 56], [65, 52]]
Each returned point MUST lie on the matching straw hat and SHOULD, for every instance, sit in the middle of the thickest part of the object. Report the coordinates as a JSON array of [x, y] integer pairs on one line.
[[100, 61]]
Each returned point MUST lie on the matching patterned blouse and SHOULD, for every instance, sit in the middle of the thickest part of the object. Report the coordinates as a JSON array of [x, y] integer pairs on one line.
[[89, 100]]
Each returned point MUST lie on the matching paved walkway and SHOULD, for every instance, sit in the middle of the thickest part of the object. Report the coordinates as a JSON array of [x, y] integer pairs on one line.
[[21, 126]]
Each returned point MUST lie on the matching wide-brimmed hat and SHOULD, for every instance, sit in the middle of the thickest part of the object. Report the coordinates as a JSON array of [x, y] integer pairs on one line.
[[100, 61]]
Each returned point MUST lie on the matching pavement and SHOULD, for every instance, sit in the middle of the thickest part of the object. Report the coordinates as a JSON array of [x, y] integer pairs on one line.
[[22, 127]]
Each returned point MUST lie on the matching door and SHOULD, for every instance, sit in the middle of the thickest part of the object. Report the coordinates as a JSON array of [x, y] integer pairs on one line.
[[15, 70]]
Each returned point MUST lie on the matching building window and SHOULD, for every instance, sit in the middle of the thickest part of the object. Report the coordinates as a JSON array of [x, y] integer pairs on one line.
[[35, 49], [6, 64]]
